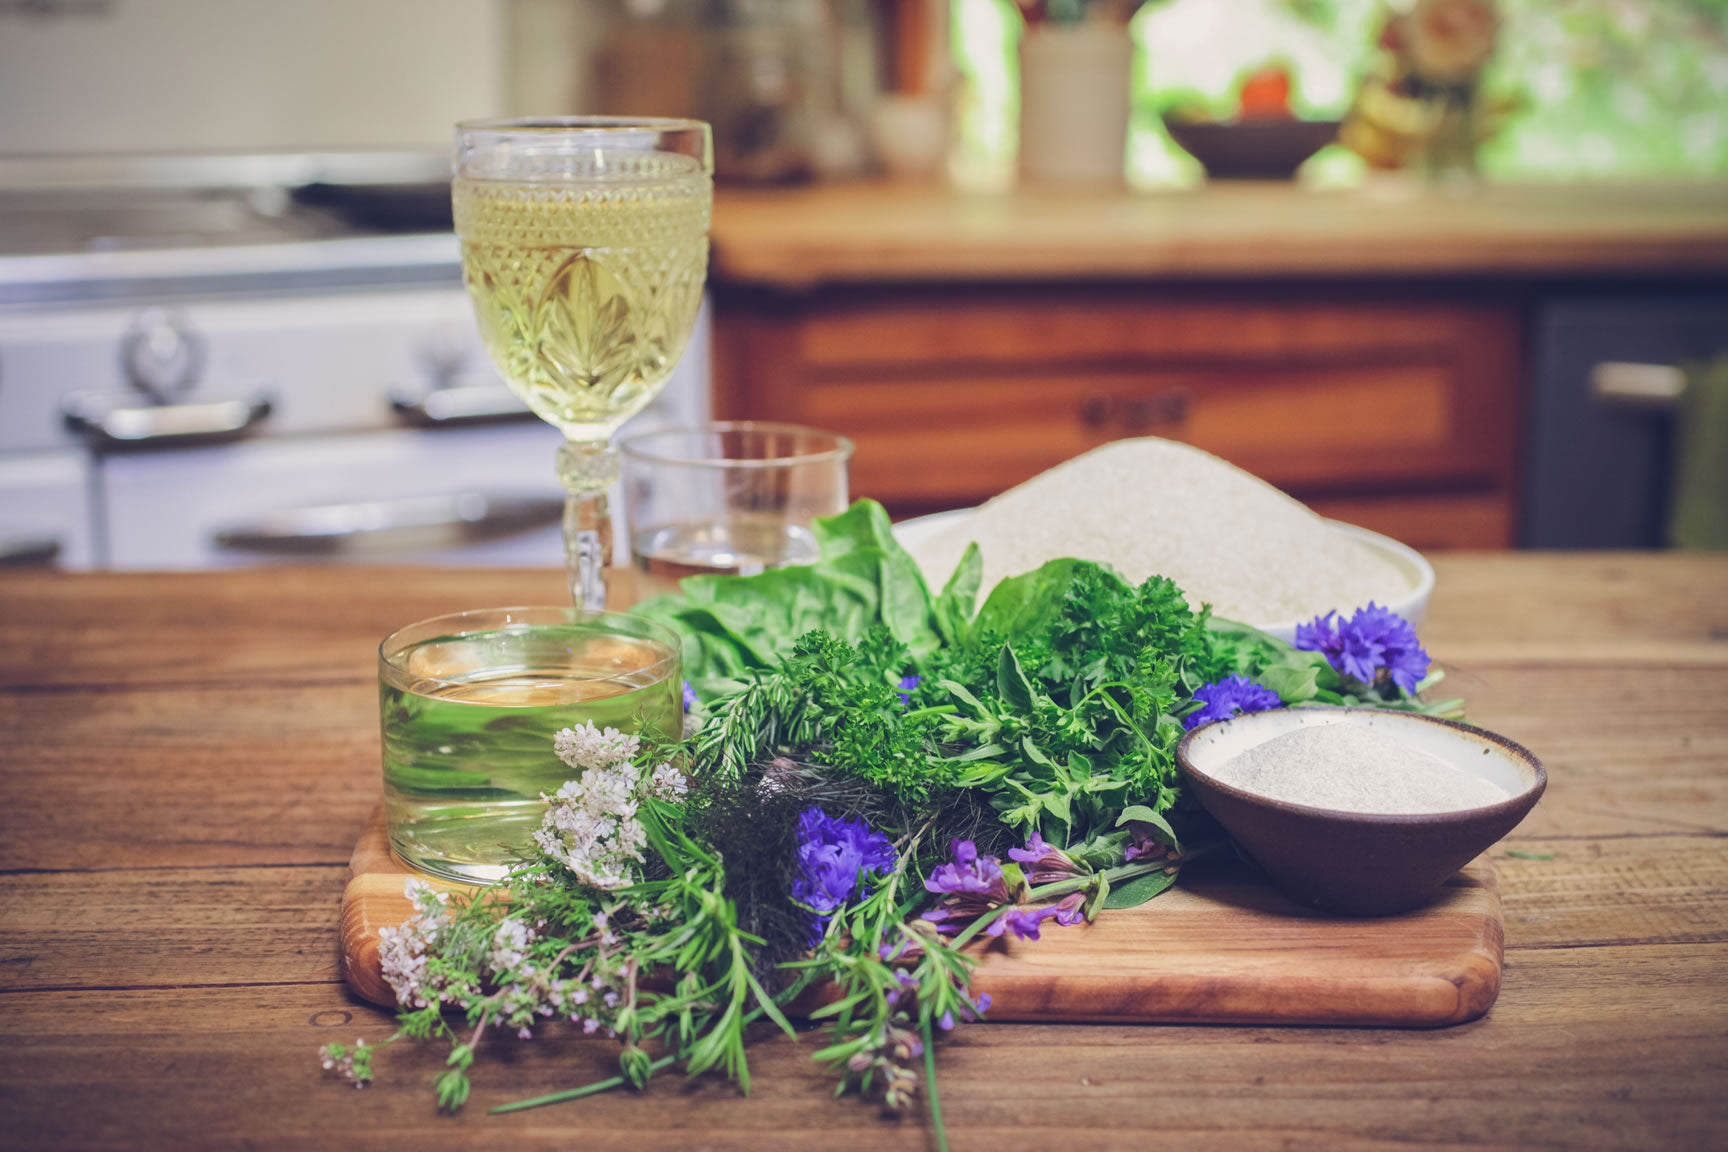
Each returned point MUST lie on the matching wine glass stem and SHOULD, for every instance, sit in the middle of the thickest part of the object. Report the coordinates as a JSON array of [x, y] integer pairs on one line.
[[587, 469]]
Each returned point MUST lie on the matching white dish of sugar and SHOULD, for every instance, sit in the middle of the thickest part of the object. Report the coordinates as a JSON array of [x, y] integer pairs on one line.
[[1352, 761], [1355, 768], [1151, 506]]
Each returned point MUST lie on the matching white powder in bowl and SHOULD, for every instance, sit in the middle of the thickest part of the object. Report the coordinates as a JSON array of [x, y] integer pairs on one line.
[[1159, 507], [1351, 768]]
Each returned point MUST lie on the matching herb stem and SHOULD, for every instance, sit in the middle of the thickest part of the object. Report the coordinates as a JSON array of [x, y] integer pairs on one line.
[[611, 1082], [936, 1126], [577, 1093]]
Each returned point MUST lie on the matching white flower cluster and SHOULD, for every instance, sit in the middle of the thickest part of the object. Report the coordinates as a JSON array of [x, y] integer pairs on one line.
[[590, 825], [352, 1064], [510, 944], [589, 747], [667, 783], [402, 951]]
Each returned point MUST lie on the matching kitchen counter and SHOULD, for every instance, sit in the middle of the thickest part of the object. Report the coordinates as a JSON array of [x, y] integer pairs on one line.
[[188, 761], [875, 232], [1368, 351]]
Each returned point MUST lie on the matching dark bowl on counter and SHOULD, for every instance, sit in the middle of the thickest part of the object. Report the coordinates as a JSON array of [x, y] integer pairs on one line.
[[1251, 149], [1355, 863]]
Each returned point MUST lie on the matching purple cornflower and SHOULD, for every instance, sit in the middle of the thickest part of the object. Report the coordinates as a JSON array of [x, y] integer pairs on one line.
[[1373, 638], [834, 857], [1044, 863], [1227, 697], [908, 684]]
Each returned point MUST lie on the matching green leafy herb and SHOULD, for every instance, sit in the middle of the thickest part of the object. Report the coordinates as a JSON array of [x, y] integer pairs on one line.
[[673, 913]]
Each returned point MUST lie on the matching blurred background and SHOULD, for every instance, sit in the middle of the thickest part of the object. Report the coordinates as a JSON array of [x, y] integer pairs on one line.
[[232, 329]]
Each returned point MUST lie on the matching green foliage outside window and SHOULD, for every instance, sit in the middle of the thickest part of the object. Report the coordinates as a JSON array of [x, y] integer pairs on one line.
[[1597, 89]]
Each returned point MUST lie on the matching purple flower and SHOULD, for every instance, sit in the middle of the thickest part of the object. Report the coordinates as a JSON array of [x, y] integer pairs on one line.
[[1022, 921], [905, 989], [968, 872], [970, 1009], [1143, 843], [689, 696], [1070, 909], [834, 857], [973, 885], [908, 684], [1044, 862], [1374, 638], [1229, 696]]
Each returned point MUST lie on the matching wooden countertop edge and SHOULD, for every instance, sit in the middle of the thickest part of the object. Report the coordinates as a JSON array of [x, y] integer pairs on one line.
[[859, 233], [800, 265]]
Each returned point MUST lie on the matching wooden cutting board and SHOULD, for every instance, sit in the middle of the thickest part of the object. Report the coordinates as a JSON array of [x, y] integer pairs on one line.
[[1221, 947]]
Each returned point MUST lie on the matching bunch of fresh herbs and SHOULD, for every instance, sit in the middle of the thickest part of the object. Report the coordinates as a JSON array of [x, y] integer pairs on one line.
[[866, 753]]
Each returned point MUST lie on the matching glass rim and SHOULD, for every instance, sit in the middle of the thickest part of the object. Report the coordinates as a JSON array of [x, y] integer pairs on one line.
[[551, 124], [482, 144], [449, 625], [635, 447]]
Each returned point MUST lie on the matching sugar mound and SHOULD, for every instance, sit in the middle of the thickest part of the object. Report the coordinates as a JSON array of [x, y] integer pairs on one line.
[[1149, 507], [1349, 768]]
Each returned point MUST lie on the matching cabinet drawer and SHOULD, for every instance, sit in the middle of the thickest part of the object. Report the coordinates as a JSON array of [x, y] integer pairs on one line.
[[1385, 400], [1090, 324], [1328, 428]]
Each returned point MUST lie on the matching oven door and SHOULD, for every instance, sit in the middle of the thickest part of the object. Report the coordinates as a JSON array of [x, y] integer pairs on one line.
[[45, 510]]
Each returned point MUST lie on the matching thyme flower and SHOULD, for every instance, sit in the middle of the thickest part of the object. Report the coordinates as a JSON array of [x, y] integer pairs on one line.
[[404, 950], [590, 824]]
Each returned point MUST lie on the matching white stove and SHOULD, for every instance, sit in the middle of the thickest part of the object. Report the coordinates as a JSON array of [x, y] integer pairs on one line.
[[239, 402]]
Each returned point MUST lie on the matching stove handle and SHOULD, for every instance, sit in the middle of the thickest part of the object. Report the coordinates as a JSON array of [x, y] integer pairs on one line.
[[28, 551], [409, 524], [460, 405], [111, 425]]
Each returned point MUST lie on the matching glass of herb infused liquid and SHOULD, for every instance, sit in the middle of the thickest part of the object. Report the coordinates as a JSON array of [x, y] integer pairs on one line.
[[585, 251], [470, 703]]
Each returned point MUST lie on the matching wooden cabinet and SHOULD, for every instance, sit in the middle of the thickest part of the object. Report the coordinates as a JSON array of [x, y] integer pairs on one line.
[[1361, 349], [1399, 413]]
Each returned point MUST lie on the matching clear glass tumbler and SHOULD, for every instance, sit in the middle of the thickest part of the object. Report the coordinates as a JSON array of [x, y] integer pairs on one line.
[[469, 705], [733, 497]]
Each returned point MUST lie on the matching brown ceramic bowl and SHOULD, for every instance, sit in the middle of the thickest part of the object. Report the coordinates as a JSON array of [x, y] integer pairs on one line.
[[1356, 863]]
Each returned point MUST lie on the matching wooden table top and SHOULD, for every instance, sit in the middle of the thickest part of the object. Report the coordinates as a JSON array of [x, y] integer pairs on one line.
[[187, 761], [882, 231]]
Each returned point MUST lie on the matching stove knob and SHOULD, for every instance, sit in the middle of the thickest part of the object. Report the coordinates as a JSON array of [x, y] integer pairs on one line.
[[160, 356]]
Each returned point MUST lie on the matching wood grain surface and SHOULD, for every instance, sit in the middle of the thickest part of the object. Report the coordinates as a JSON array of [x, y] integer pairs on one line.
[[1221, 948], [187, 761], [859, 233]]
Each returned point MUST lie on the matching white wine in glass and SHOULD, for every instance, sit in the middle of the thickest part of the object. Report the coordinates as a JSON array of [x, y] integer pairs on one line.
[[585, 251]]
